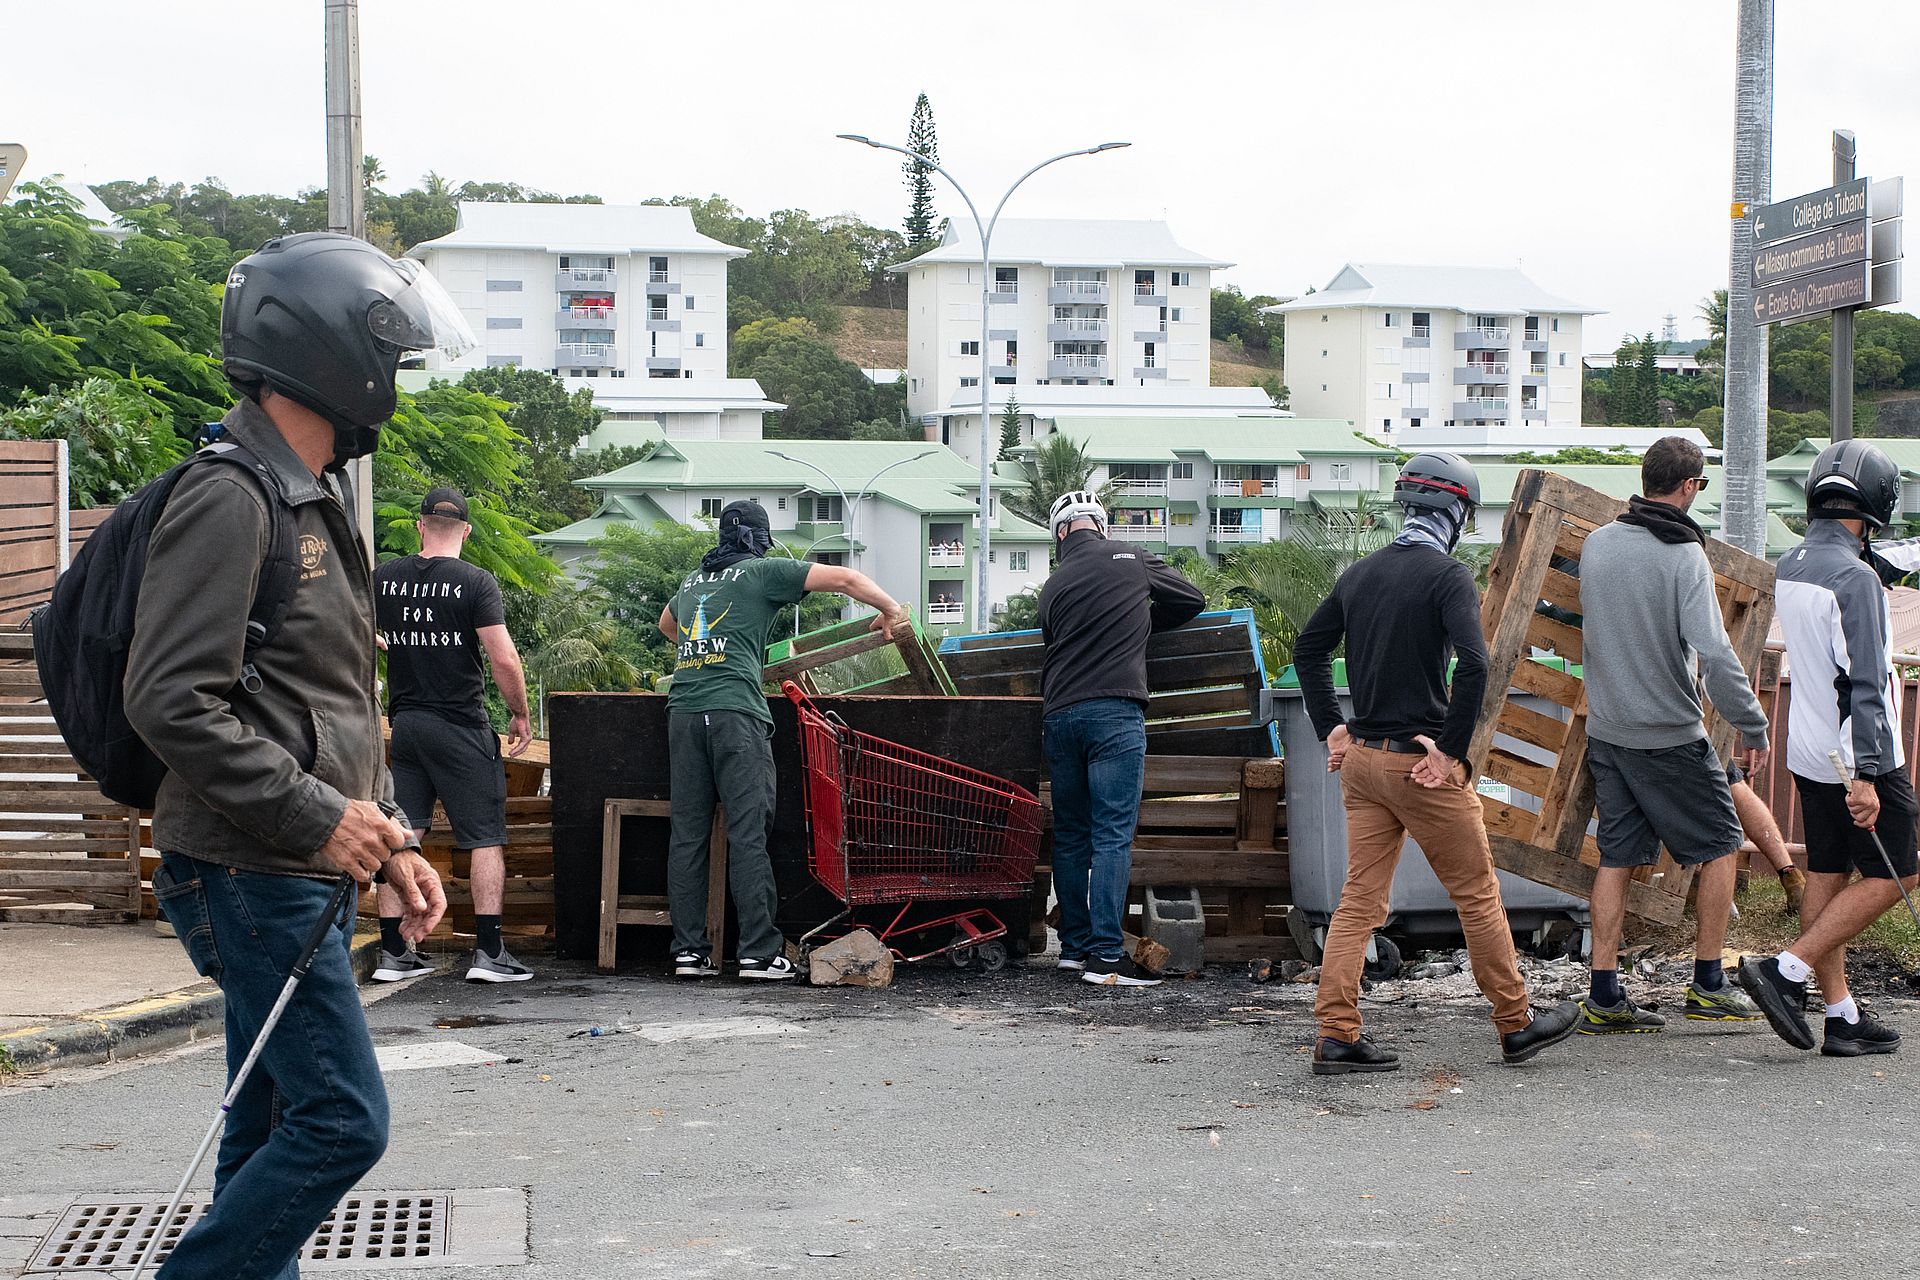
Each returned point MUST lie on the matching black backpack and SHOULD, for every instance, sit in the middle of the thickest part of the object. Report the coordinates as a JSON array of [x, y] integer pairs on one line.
[[82, 635]]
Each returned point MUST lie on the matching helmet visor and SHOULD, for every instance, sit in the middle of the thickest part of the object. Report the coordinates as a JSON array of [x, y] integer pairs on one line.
[[421, 317]]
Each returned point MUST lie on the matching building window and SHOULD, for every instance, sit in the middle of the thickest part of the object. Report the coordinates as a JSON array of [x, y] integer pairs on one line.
[[1339, 471], [1323, 317], [783, 504], [1180, 471], [1387, 321], [503, 362], [689, 302], [657, 269], [503, 322], [1323, 353], [1181, 278], [969, 382], [1556, 324], [1422, 320], [1182, 520], [1323, 386], [1563, 359], [993, 557], [1386, 424], [1303, 472], [710, 507], [699, 339], [970, 348], [1016, 561], [503, 286], [1174, 314], [1414, 423]]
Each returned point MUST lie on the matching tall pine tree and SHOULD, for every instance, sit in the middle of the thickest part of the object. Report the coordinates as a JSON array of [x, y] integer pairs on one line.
[[920, 213], [1009, 428]]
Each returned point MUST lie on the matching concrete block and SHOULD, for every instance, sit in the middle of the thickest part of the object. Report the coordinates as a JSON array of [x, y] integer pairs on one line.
[[1175, 919], [857, 960]]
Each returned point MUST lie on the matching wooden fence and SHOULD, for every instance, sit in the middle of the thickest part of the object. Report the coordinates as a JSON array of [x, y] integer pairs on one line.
[[33, 523]]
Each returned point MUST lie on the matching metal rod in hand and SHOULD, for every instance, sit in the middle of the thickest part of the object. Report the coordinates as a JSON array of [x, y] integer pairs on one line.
[[335, 905], [1846, 780]]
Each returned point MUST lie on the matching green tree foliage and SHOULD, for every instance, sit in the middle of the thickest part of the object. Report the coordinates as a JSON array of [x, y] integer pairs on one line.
[[1057, 465], [118, 433], [451, 435], [921, 216], [1009, 427], [1579, 456], [1276, 391], [1785, 430], [825, 395], [552, 421], [1236, 316], [1022, 612], [571, 642]]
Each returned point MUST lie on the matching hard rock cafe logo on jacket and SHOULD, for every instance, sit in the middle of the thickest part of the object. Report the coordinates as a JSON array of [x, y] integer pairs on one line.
[[313, 550]]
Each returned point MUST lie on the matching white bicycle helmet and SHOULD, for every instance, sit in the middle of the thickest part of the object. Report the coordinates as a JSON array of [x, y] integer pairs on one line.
[[1078, 505]]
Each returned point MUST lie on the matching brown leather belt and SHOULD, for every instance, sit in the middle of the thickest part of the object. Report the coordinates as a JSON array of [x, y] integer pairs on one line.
[[1389, 744]]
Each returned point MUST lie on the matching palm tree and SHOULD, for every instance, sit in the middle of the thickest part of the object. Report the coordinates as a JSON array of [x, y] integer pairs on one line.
[[372, 172], [574, 645], [1057, 465], [1713, 309]]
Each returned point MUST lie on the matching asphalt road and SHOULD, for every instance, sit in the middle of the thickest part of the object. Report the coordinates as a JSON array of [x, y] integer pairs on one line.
[[1025, 1125]]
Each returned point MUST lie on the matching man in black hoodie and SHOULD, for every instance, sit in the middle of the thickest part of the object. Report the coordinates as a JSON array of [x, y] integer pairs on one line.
[[1096, 612]]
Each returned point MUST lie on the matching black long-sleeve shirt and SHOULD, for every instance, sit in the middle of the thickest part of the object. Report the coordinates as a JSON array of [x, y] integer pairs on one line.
[[1096, 612], [1404, 611]]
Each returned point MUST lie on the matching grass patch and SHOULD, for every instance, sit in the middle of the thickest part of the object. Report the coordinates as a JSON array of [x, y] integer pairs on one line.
[[1764, 927]]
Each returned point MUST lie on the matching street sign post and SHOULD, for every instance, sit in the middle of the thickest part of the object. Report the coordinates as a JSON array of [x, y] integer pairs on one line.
[[1812, 295], [1815, 211]]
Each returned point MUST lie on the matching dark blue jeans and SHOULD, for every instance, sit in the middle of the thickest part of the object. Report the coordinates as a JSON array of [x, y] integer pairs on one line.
[[1097, 759], [312, 1119]]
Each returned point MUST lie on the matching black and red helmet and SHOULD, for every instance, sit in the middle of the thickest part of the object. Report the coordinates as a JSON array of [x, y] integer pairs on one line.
[[1436, 481], [1853, 479]]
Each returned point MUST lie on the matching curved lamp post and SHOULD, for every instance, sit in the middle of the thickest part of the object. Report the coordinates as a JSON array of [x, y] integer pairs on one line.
[[849, 508], [980, 605]]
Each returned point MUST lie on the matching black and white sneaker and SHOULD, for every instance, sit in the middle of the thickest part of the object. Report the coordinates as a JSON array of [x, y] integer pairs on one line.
[[1117, 973], [500, 968], [1072, 964], [778, 969], [694, 964], [400, 968]]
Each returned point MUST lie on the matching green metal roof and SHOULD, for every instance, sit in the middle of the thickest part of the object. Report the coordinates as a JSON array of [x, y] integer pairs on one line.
[[1013, 529], [1793, 466], [1275, 441], [1339, 499], [1181, 504], [617, 508]]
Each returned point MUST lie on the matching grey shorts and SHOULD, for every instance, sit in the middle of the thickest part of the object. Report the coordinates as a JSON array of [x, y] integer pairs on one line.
[[456, 764], [1676, 796]]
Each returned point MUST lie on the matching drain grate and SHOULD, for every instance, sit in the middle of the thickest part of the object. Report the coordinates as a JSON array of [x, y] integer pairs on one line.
[[366, 1230]]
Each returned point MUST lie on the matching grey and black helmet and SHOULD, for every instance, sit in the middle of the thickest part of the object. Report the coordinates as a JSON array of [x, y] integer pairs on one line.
[[1853, 480], [1436, 481]]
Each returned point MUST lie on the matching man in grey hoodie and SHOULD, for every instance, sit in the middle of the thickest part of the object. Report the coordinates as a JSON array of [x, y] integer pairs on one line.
[[1652, 631]]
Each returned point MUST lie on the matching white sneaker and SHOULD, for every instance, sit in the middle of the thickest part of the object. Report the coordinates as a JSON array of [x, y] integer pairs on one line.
[[694, 964], [1072, 964], [1117, 973], [400, 968], [500, 968], [778, 969]]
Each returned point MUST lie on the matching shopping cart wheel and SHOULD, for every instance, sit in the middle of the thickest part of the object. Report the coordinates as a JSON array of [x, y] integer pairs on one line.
[[991, 957]]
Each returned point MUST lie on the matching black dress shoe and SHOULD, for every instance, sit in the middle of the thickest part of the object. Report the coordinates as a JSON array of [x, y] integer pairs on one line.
[[1338, 1058], [1546, 1029]]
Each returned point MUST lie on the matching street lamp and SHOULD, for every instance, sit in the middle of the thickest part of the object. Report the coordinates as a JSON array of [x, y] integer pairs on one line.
[[980, 609], [848, 508]]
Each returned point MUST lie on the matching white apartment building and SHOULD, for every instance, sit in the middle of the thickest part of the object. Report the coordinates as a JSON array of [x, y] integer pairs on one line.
[[958, 425], [1387, 347], [1072, 302]]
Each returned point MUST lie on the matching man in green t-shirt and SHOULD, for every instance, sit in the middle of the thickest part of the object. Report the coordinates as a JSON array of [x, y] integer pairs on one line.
[[720, 733]]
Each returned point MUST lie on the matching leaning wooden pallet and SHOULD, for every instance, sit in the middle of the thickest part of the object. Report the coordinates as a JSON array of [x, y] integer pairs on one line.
[[800, 658], [1550, 519]]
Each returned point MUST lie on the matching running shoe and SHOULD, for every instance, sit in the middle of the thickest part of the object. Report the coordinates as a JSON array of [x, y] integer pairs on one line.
[[1728, 1004], [1623, 1019], [1779, 999], [1855, 1039], [500, 968], [400, 968]]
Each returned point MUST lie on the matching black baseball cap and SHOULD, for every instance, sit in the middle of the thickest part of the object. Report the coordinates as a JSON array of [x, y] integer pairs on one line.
[[444, 502]]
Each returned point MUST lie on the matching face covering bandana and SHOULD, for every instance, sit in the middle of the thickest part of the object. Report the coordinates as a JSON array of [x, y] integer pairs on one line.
[[1439, 529]]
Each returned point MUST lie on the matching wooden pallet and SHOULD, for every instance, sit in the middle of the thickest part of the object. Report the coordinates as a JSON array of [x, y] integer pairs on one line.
[[802, 657], [67, 853], [1551, 517], [1203, 682], [526, 914], [617, 908]]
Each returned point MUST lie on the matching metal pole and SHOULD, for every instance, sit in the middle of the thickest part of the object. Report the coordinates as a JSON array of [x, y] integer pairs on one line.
[[1841, 387], [346, 191], [1744, 512]]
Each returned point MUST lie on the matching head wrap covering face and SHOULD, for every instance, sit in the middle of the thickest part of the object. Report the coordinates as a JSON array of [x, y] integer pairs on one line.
[[1439, 528], [745, 534]]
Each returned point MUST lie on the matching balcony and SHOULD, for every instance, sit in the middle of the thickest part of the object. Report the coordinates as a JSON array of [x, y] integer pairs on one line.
[[1481, 374], [585, 317], [1533, 413], [1077, 329], [1475, 407], [1077, 366], [1149, 372], [586, 355], [1139, 532], [1083, 293], [1236, 533], [1150, 335], [1247, 488], [946, 555], [663, 362], [1482, 339], [1003, 291], [1534, 377], [1148, 294], [659, 321], [1420, 331], [946, 612], [658, 275], [581, 279], [1137, 486]]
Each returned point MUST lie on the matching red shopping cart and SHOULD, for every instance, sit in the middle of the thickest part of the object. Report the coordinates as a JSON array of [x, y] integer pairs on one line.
[[890, 825]]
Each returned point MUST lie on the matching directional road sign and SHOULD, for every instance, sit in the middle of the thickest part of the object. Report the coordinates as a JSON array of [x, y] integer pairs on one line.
[[1812, 295], [1835, 247], [1815, 211]]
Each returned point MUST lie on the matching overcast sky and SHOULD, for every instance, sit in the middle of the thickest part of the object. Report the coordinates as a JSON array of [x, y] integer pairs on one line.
[[1589, 143]]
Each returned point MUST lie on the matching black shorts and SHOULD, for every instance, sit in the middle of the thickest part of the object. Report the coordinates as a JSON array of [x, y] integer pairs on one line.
[[1676, 796], [1835, 847], [457, 764]]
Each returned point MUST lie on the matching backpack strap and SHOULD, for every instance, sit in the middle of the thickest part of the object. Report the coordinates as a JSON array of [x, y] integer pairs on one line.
[[279, 572]]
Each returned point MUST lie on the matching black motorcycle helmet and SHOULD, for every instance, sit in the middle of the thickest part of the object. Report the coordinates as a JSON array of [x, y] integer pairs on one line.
[[1861, 475], [1436, 481], [323, 319]]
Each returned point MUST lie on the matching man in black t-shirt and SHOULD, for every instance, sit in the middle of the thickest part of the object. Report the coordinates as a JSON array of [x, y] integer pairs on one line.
[[437, 616]]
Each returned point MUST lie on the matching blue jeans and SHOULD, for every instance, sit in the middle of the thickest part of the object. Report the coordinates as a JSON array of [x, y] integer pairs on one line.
[[1097, 759], [312, 1119]]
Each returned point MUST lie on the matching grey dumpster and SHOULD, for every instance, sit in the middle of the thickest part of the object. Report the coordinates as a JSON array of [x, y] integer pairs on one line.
[[1418, 907]]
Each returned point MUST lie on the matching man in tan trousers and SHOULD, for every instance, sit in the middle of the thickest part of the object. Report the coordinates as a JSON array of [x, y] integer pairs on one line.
[[1404, 612]]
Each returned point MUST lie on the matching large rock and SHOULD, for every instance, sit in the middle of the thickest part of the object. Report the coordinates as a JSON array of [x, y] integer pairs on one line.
[[857, 960]]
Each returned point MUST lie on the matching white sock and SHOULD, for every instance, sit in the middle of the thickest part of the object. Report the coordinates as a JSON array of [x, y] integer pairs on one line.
[[1845, 1009], [1793, 968]]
